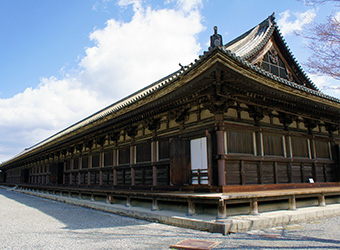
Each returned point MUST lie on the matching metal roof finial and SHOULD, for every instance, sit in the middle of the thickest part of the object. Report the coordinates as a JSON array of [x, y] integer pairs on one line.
[[216, 39]]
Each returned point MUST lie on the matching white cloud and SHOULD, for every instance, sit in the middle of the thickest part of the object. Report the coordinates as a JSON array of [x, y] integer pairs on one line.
[[327, 85], [126, 57], [337, 16], [39, 112], [301, 19], [189, 5]]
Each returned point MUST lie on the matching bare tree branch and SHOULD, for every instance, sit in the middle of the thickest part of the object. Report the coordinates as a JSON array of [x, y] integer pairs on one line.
[[318, 2], [324, 42]]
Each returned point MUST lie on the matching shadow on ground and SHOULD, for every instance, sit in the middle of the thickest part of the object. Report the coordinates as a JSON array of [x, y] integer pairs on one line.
[[74, 217]]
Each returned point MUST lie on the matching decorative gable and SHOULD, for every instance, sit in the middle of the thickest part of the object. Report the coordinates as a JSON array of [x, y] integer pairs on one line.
[[265, 47], [273, 62]]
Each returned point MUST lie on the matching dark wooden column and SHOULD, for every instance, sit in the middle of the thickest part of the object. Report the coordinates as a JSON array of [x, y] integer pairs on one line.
[[210, 158], [115, 164], [220, 149], [101, 164], [154, 158], [132, 161]]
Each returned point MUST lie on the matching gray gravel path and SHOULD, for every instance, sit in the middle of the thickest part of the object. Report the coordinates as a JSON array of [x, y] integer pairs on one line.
[[29, 222]]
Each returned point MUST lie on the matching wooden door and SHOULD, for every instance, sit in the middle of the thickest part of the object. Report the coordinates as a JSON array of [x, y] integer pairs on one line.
[[179, 161]]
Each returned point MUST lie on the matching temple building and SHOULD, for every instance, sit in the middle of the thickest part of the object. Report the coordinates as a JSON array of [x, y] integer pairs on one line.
[[243, 116]]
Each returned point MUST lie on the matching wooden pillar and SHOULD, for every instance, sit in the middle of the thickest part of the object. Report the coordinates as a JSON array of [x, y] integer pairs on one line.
[[292, 203], [154, 205], [132, 161], [191, 207], [109, 199], [114, 177], [259, 173], [101, 164], [322, 200], [254, 207], [154, 176], [220, 141], [222, 209], [276, 172], [89, 165], [115, 164], [221, 160], [64, 167], [154, 158], [210, 157], [288, 144], [128, 201]]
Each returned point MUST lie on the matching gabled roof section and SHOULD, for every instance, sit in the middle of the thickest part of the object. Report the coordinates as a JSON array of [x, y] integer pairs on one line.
[[264, 46]]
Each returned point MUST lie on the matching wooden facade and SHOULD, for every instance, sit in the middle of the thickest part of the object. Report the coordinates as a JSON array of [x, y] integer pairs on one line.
[[243, 114]]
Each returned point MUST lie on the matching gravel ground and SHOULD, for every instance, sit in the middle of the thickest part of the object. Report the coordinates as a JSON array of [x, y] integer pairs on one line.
[[29, 222]]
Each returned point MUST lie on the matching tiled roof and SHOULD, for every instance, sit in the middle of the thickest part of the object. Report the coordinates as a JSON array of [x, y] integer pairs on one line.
[[251, 42], [253, 38], [279, 79]]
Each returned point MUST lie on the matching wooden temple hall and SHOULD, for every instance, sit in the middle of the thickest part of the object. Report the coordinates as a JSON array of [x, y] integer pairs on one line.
[[237, 124]]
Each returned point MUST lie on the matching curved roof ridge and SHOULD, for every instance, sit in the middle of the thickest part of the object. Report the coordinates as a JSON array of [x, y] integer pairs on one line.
[[293, 57], [253, 40], [277, 78]]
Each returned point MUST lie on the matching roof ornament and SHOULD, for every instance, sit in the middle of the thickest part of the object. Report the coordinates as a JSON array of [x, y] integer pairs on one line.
[[216, 39]]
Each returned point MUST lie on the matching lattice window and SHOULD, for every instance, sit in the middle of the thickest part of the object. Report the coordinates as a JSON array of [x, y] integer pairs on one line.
[[272, 63]]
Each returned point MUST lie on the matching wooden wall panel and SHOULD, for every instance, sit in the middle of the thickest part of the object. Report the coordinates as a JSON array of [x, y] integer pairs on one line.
[[108, 158], [95, 160], [282, 171], [322, 149], [300, 147], [240, 142], [233, 172], [267, 173], [330, 173], [120, 176], [320, 172], [143, 152], [250, 173], [296, 173], [163, 176], [307, 172], [272, 145]]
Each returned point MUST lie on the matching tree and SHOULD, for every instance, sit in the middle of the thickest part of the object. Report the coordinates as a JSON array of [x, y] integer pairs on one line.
[[324, 42]]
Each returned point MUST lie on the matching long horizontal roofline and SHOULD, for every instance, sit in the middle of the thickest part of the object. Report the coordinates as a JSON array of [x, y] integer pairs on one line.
[[158, 85]]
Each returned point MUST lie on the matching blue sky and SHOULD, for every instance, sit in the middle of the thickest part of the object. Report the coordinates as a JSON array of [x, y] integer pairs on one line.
[[62, 60]]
